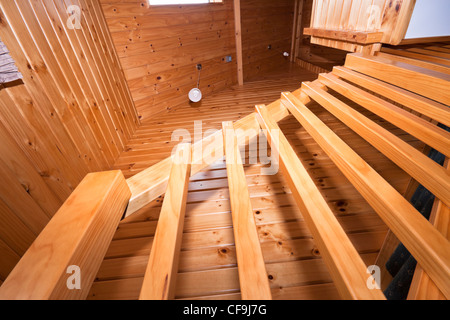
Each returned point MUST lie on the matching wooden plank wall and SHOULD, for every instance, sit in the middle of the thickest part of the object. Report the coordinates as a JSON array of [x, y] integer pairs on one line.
[[160, 46], [70, 115], [264, 23], [314, 54]]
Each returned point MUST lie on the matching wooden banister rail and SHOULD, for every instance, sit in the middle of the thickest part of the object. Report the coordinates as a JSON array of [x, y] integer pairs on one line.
[[160, 276], [64, 259], [343, 261], [253, 277]]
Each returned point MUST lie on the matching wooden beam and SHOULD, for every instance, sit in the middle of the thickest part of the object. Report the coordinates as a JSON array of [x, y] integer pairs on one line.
[[422, 287], [430, 108], [160, 275], [424, 40], [391, 241], [294, 30], [359, 37], [424, 130], [431, 175], [429, 83], [417, 62], [238, 34], [78, 235], [253, 276], [424, 242], [148, 185], [418, 56], [343, 261], [432, 53], [298, 30]]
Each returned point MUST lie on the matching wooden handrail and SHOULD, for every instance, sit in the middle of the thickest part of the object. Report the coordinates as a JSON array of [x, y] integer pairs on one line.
[[160, 275], [343, 261], [253, 278], [73, 244]]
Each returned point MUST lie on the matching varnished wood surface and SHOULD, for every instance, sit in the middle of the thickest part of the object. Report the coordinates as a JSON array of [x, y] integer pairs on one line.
[[160, 275], [428, 83], [160, 46], [153, 140], [422, 287], [266, 35], [390, 18], [71, 114], [254, 284], [341, 258], [208, 262]]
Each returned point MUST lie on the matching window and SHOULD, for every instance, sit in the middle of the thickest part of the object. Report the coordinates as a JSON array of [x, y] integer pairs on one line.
[[160, 2]]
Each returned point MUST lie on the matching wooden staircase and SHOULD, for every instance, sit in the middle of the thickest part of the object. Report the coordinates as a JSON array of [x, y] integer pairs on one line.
[[407, 88]]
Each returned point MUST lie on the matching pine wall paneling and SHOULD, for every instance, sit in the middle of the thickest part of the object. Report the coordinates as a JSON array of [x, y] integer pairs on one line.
[[160, 46], [71, 114], [264, 23]]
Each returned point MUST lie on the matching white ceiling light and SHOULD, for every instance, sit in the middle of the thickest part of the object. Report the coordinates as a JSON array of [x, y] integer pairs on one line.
[[195, 95]]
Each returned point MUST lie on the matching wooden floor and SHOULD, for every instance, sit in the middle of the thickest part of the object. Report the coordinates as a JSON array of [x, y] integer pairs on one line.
[[207, 268]]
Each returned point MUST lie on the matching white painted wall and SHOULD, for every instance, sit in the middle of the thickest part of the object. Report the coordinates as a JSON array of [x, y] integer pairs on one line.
[[431, 18]]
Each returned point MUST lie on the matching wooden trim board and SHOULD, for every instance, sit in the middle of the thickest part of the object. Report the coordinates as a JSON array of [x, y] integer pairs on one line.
[[358, 37], [160, 276], [253, 277]]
